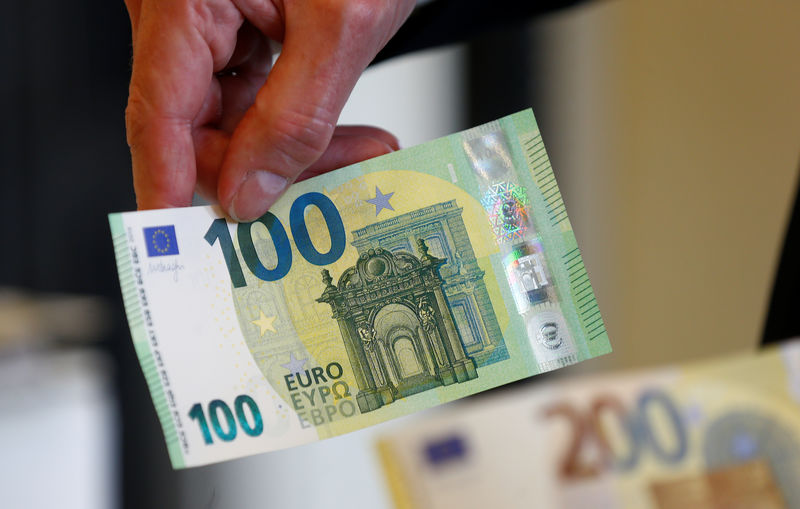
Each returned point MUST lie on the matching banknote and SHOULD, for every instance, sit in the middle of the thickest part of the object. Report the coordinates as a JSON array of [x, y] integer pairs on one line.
[[710, 435], [368, 293]]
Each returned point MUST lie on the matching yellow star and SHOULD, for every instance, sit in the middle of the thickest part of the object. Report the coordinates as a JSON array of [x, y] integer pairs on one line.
[[265, 323]]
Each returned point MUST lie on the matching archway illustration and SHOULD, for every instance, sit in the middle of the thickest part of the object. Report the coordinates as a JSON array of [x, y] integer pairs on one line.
[[397, 326], [442, 227], [406, 357], [409, 361]]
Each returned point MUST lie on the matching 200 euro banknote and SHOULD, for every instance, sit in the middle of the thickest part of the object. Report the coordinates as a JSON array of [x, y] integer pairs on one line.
[[367, 293], [721, 433]]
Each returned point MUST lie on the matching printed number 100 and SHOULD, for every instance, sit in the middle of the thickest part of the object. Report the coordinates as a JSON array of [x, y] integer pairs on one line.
[[223, 422], [297, 223]]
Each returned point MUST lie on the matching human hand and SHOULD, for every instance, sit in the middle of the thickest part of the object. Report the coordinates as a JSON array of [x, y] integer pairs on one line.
[[206, 111]]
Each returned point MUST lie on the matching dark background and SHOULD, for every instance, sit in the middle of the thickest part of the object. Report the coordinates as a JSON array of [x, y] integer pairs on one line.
[[65, 165]]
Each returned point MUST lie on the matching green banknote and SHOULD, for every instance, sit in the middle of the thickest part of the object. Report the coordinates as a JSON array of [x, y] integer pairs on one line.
[[710, 435], [368, 293]]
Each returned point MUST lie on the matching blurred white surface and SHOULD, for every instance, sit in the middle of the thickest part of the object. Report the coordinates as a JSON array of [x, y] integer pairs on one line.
[[57, 422], [418, 97]]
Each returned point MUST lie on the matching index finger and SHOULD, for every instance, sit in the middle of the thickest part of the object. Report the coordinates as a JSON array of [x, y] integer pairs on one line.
[[177, 44], [326, 47]]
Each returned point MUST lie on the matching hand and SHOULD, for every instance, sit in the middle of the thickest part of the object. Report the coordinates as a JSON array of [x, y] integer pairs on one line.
[[206, 112]]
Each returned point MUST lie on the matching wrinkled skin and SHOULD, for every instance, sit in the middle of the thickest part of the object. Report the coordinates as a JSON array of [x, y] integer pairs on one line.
[[208, 112]]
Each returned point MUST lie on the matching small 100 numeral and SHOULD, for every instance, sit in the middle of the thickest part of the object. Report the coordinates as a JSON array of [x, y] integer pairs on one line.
[[223, 422]]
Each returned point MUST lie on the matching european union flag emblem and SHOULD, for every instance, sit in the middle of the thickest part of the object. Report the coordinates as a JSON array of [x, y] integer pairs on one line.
[[161, 240], [449, 449]]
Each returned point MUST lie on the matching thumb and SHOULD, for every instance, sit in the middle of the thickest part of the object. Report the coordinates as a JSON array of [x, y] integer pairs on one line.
[[291, 122]]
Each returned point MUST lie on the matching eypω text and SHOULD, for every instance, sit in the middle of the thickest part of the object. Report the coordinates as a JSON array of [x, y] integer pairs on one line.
[[319, 396]]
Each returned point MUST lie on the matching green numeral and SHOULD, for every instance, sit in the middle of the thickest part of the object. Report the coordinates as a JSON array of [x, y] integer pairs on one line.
[[217, 407], [197, 413]]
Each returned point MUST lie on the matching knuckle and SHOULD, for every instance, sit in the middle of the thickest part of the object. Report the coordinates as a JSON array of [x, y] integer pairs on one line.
[[374, 147], [144, 121], [135, 117], [366, 14], [302, 137], [217, 22], [359, 15]]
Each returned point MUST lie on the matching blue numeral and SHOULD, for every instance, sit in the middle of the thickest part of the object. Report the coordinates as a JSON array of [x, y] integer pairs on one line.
[[279, 239], [653, 397], [283, 249], [219, 230], [227, 432], [333, 221]]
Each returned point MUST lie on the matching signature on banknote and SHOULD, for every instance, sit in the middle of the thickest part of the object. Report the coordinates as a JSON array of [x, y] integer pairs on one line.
[[172, 267]]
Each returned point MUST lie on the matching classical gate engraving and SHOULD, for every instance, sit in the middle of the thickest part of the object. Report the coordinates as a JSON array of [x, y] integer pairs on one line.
[[396, 324], [442, 227]]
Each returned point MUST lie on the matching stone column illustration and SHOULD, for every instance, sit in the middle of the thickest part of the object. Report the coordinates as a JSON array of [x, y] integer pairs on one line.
[[367, 398], [397, 326]]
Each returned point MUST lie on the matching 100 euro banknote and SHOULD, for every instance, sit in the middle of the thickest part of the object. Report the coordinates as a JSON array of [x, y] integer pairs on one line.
[[364, 294]]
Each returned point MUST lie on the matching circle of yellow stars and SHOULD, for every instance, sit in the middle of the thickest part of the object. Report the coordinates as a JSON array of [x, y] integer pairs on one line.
[[155, 244]]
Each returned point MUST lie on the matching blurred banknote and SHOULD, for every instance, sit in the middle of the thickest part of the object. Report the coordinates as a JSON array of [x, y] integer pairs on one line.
[[378, 290], [717, 435]]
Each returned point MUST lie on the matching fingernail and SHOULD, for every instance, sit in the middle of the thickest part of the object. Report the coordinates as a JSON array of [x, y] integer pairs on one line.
[[256, 194]]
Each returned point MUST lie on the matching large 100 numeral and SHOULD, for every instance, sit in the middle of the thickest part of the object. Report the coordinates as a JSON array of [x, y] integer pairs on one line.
[[283, 249]]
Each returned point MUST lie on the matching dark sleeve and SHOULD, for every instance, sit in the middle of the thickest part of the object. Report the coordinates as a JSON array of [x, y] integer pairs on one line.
[[449, 21], [783, 317]]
